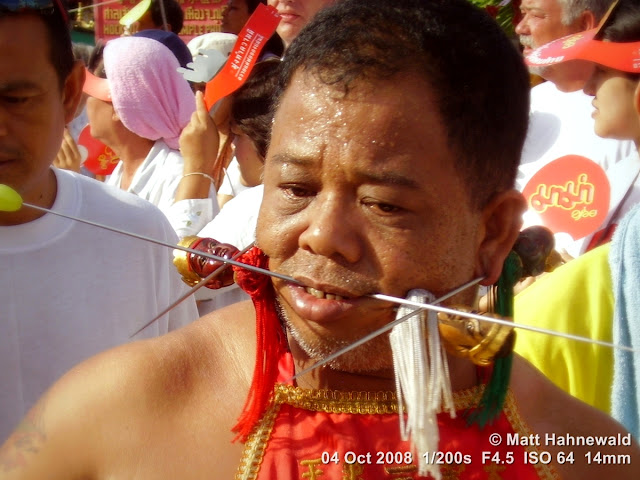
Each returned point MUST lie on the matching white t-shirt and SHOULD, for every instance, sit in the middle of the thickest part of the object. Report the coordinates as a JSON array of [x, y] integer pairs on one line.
[[157, 179], [560, 124], [70, 290]]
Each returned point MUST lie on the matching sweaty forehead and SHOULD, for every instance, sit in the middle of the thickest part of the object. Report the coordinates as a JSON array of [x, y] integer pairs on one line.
[[393, 116]]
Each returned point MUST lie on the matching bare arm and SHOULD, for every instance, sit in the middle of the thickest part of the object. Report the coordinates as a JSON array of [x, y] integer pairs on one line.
[[49, 443], [76, 428], [160, 408], [565, 424]]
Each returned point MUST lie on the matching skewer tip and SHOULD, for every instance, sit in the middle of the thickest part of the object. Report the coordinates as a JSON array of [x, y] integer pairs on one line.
[[10, 200]]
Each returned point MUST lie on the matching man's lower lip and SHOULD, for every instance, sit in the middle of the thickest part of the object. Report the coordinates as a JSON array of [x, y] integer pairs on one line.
[[316, 309]]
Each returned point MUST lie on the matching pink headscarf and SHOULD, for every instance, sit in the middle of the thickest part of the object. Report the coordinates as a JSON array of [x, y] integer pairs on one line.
[[149, 96]]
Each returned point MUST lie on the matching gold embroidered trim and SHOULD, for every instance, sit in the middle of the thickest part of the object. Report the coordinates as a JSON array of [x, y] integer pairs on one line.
[[335, 401], [328, 401], [512, 412], [256, 445]]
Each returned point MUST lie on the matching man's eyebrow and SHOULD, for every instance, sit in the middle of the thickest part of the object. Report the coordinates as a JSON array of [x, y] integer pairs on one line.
[[377, 178], [292, 159], [390, 178], [19, 85]]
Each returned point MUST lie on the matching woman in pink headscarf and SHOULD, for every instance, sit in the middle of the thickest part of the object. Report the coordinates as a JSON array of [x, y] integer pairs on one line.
[[139, 111]]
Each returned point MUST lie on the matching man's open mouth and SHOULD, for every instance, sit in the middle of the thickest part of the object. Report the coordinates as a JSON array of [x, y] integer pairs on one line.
[[320, 294]]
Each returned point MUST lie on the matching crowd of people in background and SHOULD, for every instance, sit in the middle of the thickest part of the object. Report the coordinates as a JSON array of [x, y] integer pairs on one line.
[[309, 162]]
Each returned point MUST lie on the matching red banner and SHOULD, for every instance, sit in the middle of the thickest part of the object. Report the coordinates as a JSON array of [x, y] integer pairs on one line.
[[200, 17], [245, 53]]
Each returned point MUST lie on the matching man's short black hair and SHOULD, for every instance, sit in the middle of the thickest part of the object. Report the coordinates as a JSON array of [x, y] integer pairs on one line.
[[58, 40], [478, 76], [173, 11]]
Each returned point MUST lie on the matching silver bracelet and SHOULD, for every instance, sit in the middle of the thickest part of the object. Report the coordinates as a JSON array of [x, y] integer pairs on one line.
[[200, 173]]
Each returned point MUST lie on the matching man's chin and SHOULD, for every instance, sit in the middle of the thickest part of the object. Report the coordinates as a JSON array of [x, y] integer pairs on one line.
[[370, 357], [360, 363]]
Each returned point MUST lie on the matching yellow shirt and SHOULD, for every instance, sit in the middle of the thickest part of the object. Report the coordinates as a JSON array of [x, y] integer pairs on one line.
[[577, 298]]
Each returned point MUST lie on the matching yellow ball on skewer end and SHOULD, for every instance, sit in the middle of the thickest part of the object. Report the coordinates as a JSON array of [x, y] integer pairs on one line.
[[10, 200]]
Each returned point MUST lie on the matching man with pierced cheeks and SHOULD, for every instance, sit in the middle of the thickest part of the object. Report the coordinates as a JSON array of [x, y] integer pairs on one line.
[[391, 166]]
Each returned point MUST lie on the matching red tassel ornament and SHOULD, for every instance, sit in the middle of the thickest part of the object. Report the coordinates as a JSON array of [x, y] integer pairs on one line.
[[271, 341]]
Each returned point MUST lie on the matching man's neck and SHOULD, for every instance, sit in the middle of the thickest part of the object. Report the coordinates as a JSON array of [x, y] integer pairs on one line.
[[463, 375], [39, 192], [569, 77]]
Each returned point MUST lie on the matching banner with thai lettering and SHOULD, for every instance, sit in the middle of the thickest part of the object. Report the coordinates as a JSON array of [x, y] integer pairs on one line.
[[245, 53], [569, 195], [200, 17]]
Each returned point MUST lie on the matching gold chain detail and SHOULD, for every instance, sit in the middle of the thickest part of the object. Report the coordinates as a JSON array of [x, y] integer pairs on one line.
[[335, 401]]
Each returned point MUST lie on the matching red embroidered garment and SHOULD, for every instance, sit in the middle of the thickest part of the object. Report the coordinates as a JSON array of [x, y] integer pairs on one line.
[[299, 434], [342, 435]]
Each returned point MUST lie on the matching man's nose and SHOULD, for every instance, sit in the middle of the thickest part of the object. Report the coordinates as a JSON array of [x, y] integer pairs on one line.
[[522, 28], [334, 229]]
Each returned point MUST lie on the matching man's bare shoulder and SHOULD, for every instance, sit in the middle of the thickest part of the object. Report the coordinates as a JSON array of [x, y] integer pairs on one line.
[[567, 425], [144, 406]]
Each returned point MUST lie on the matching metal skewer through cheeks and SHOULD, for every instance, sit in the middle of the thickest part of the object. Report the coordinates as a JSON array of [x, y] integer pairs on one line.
[[11, 201]]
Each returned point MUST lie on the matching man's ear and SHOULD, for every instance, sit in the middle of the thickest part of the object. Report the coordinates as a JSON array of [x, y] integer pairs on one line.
[[587, 20], [72, 91], [502, 221]]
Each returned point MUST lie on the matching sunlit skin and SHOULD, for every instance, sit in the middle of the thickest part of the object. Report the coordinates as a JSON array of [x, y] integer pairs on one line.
[[295, 15], [361, 197], [615, 99], [250, 162], [234, 16], [34, 108], [541, 23]]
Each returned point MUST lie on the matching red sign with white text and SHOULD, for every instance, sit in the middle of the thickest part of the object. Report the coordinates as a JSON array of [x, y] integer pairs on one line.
[[245, 53]]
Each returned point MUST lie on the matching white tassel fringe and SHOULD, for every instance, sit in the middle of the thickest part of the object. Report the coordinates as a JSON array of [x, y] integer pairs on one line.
[[422, 380]]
